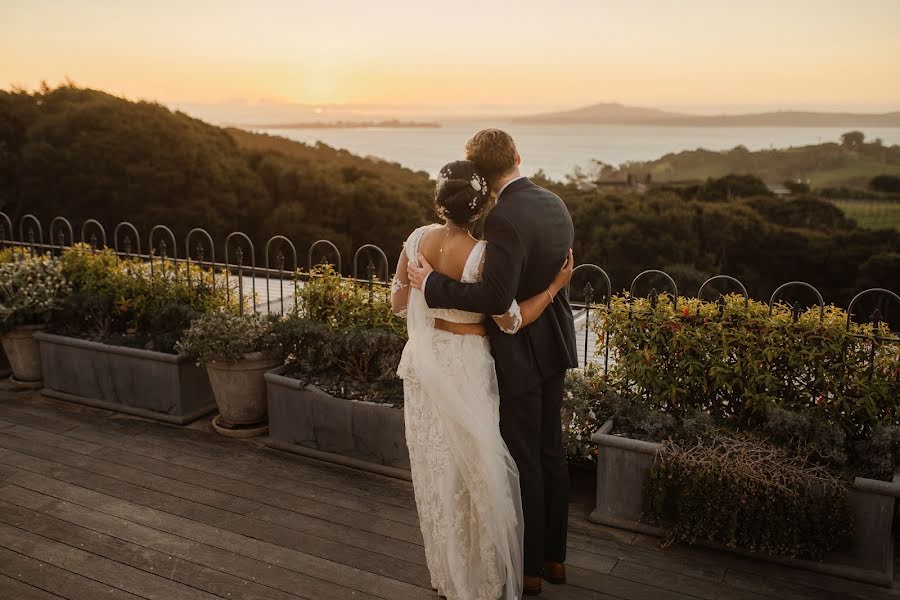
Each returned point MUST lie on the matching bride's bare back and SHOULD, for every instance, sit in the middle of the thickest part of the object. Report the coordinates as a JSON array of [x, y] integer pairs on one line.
[[447, 249]]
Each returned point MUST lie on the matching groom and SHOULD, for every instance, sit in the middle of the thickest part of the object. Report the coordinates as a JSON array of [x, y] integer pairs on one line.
[[529, 233]]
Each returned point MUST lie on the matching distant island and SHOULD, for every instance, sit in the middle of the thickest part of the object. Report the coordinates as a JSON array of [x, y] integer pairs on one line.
[[389, 124], [613, 113]]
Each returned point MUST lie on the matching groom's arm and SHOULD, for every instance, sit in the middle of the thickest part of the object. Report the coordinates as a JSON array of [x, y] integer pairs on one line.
[[503, 262]]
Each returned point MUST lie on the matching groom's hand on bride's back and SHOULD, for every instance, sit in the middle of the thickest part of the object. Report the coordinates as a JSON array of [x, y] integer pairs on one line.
[[418, 274]]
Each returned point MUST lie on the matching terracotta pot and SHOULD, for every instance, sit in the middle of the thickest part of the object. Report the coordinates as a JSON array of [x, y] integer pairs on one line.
[[23, 353], [239, 388]]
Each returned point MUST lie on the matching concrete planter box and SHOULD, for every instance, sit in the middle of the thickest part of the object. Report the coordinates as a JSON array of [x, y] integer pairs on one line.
[[156, 385], [622, 470], [305, 420]]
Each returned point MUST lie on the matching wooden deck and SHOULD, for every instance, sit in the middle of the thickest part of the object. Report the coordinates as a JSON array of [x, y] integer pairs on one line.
[[98, 505]]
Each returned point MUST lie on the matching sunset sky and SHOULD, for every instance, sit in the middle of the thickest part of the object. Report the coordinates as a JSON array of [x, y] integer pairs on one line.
[[527, 53]]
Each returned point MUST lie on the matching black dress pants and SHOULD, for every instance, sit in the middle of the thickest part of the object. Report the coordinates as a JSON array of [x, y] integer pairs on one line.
[[531, 427]]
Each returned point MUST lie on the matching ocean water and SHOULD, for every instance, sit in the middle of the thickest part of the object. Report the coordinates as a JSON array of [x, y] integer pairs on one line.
[[557, 149]]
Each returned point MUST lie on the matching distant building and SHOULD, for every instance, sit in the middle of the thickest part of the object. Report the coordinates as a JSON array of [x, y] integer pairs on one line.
[[778, 189]]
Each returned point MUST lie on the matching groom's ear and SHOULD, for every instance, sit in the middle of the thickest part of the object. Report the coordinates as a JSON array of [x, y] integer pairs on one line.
[[518, 159]]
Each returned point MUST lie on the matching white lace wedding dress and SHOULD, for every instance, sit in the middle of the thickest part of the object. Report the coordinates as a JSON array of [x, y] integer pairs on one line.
[[466, 483]]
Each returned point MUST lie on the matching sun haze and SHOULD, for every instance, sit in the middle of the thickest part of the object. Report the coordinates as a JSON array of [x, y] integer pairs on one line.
[[471, 54]]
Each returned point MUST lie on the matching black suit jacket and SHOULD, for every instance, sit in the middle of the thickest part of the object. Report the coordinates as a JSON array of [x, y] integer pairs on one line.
[[529, 233]]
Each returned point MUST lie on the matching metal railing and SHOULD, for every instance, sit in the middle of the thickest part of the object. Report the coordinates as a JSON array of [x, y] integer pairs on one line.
[[280, 274]]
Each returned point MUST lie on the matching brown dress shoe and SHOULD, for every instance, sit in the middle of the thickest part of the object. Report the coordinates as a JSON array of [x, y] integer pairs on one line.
[[532, 586], [555, 572]]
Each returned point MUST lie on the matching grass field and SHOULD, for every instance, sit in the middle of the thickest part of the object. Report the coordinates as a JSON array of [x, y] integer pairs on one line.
[[872, 214]]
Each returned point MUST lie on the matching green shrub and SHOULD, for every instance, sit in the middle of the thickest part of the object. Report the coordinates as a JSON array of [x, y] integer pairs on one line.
[[224, 335], [739, 365], [33, 289], [338, 302], [743, 492], [356, 363], [123, 301]]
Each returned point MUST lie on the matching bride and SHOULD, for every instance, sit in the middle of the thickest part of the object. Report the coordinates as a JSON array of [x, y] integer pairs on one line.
[[465, 481]]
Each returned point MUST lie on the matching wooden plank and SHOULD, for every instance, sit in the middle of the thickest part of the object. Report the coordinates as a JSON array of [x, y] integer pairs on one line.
[[283, 499], [37, 460], [309, 489], [676, 582], [112, 573], [590, 562], [620, 588], [57, 410], [56, 580], [119, 473], [19, 417], [685, 565], [755, 568], [220, 537], [52, 439], [578, 523], [13, 589], [251, 569], [788, 590], [305, 515], [299, 469], [141, 558], [291, 466], [4, 470], [570, 592]]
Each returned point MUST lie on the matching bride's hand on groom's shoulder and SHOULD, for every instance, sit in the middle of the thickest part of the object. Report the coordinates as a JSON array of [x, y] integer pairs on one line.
[[418, 274]]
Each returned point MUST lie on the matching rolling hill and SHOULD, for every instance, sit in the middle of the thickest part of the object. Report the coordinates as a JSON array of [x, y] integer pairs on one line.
[[612, 113]]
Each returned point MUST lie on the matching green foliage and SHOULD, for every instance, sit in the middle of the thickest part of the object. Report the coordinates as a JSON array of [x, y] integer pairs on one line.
[[738, 366], [328, 298], [357, 363], [32, 289], [585, 406], [742, 492], [851, 163], [83, 153], [763, 241], [343, 336], [889, 184], [226, 336], [730, 186], [853, 139], [123, 301]]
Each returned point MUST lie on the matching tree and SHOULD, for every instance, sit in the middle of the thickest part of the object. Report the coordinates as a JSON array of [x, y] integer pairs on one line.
[[889, 184], [853, 139], [732, 186]]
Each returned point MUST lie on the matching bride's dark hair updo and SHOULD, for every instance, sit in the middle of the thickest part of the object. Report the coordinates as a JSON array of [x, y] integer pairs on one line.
[[462, 192]]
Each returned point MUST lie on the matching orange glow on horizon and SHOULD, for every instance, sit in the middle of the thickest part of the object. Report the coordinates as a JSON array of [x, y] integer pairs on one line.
[[405, 52]]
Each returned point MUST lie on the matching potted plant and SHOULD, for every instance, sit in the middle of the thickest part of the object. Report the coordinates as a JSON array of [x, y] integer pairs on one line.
[[337, 397], [751, 430], [32, 288], [237, 350], [113, 343]]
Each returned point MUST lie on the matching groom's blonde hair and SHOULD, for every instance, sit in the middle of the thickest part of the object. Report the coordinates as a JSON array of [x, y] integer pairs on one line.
[[494, 153]]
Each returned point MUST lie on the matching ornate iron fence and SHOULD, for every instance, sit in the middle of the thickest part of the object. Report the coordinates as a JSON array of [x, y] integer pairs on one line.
[[280, 275]]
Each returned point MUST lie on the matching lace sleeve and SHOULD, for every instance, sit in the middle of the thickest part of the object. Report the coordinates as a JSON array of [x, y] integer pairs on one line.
[[400, 282], [511, 321], [400, 286]]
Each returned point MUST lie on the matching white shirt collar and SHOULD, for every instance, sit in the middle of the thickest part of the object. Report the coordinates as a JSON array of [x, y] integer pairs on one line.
[[506, 185]]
